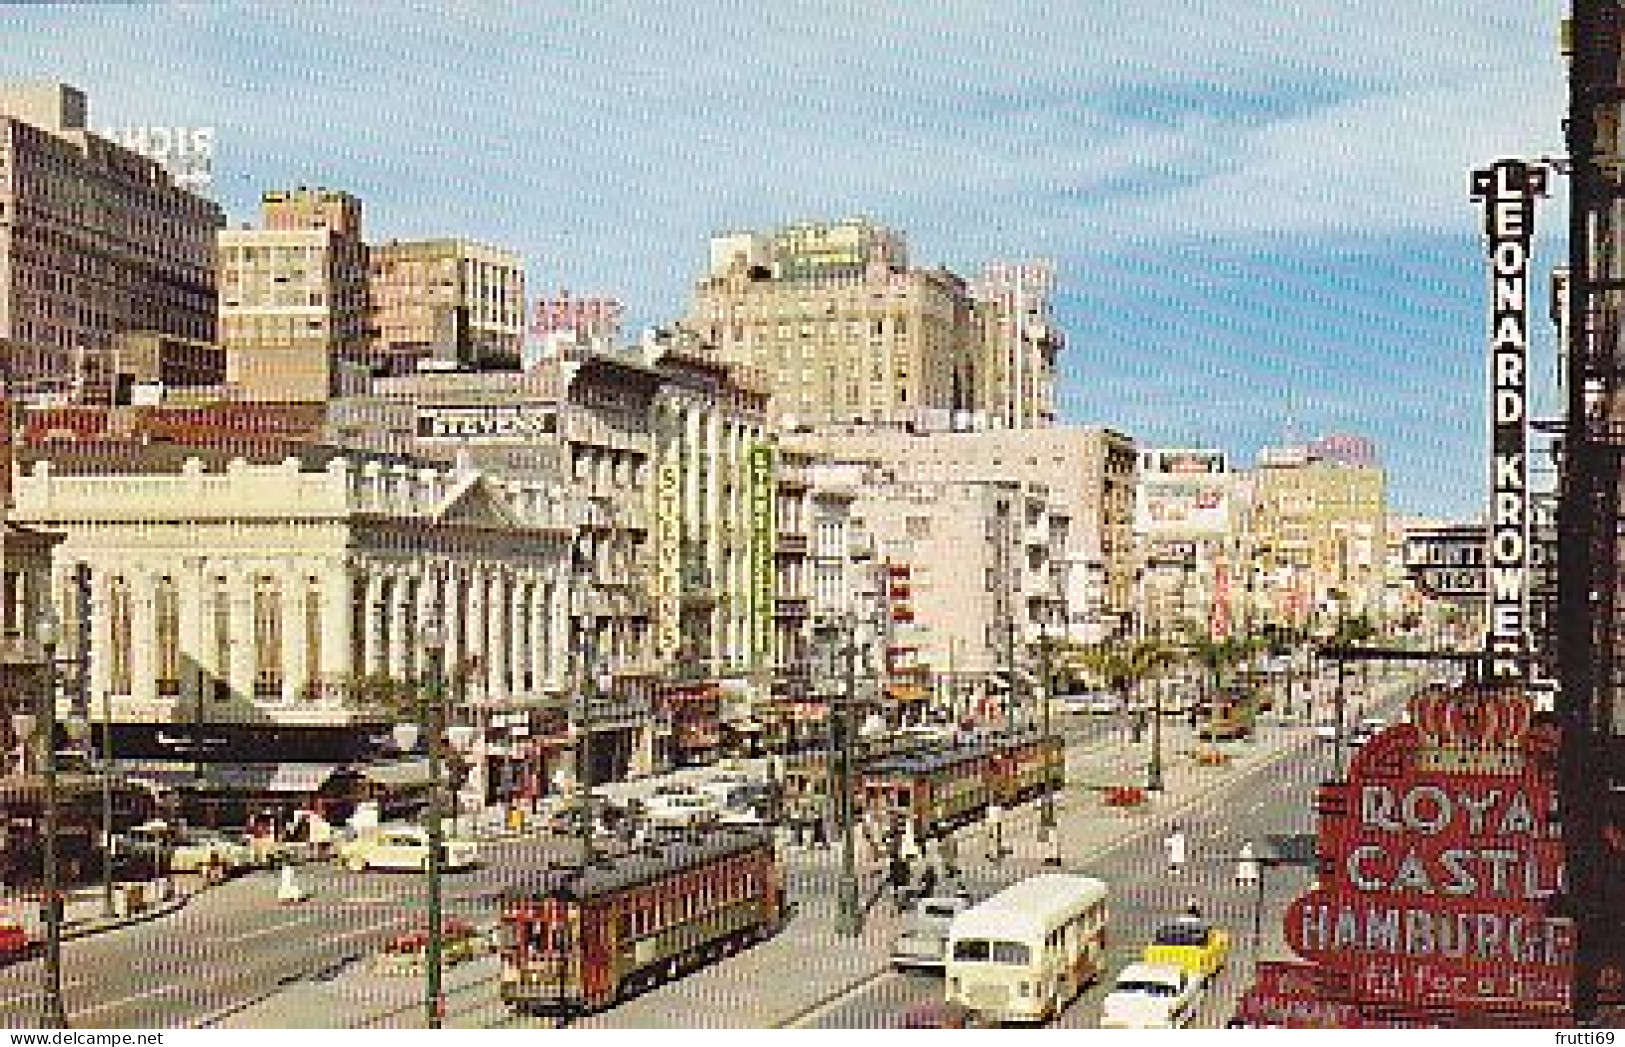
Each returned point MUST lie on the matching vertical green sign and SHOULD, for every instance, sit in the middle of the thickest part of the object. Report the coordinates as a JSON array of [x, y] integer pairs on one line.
[[762, 491]]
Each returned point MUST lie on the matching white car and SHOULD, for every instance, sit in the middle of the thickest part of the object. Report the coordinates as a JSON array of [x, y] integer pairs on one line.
[[405, 848], [1100, 703], [923, 940], [680, 810], [1151, 996], [721, 785]]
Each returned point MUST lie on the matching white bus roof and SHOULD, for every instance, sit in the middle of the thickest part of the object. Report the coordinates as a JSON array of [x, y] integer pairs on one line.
[[1029, 909]]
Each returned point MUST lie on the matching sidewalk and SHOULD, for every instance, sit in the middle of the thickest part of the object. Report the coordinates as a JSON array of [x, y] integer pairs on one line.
[[787, 980], [85, 911]]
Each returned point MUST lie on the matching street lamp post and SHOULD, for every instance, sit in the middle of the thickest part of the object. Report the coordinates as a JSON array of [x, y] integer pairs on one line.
[[1250, 868], [1341, 702], [1153, 766], [431, 719], [848, 916], [53, 1015], [1046, 813]]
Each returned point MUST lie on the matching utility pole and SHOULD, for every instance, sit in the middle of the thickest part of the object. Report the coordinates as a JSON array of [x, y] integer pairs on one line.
[[848, 917], [54, 1015], [1046, 813], [432, 718]]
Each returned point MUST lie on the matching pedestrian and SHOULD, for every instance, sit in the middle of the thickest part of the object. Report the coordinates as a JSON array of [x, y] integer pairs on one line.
[[1247, 866], [1175, 846], [949, 850], [820, 837], [995, 821], [899, 876], [928, 881]]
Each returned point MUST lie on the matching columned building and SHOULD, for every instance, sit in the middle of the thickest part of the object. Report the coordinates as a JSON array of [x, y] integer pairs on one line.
[[267, 611]]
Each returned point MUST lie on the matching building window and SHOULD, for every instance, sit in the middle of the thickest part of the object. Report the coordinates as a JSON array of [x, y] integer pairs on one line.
[[221, 612], [118, 613], [267, 638], [167, 611], [313, 637]]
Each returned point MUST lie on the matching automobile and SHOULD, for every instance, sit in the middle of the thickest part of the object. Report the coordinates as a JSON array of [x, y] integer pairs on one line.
[[939, 1014], [191, 850], [752, 804], [681, 810], [1367, 729], [719, 785], [1192, 943], [1151, 996], [1326, 730], [404, 847], [1100, 703], [15, 942], [922, 942]]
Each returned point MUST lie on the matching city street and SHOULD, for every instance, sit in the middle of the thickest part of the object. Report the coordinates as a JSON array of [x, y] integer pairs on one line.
[[271, 964]]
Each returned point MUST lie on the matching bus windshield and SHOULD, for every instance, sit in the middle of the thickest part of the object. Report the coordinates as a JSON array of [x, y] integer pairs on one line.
[[984, 951]]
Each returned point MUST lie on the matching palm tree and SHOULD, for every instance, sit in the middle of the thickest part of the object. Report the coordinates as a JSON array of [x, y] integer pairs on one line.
[[1121, 670]]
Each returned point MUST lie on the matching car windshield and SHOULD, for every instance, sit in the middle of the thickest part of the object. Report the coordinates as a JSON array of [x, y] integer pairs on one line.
[[980, 950], [941, 912], [1147, 988], [1182, 934]]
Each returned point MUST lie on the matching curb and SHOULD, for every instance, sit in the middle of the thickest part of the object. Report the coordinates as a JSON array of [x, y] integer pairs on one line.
[[99, 925]]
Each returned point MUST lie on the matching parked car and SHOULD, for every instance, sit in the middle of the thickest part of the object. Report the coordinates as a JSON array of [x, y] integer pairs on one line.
[[680, 810], [404, 847], [923, 939], [1151, 996], [753, 804], [1099, 703], [15, 944], [190, 850], [1192, 943], [1367, 729]]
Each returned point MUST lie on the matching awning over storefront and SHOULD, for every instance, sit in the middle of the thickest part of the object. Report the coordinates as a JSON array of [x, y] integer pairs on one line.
[[398, 773], [231, 777]]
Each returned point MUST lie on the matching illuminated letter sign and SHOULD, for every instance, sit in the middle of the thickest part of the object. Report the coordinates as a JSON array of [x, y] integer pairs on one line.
[[1441, 857], [761, 553], [668, 558], [1508, 189]]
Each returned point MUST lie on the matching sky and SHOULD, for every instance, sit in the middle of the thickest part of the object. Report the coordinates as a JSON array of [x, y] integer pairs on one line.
[[1258, 213]]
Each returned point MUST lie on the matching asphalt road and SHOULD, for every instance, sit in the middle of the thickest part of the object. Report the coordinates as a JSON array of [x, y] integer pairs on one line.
[[1272, 805], [234, 945]]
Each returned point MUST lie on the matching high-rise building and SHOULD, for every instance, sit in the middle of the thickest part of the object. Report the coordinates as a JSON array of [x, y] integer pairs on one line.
[[95, 241], [450, 301], [293, 297], [1318, 536], [840, 326]]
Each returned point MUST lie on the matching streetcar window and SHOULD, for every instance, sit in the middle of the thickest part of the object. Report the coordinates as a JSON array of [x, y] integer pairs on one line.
[[992, 952]]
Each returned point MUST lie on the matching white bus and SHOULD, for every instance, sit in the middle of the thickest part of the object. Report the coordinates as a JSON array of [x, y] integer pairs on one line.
[[1023, 954]]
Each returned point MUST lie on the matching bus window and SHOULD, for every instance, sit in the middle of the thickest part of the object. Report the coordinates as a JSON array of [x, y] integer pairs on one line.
[[976, 949]]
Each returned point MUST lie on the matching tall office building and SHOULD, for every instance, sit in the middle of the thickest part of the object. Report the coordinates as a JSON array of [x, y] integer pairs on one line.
[[448, 301], [293, 297], [95, 241], [838, 324]]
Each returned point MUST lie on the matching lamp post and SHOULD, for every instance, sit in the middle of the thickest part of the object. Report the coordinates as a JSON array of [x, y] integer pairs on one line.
[[1046, 812], [431, 720], [1153, 763], [848, 915], [53, 1015]]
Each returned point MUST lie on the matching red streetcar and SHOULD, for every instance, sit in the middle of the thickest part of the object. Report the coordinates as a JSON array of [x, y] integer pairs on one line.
[[578, 942]]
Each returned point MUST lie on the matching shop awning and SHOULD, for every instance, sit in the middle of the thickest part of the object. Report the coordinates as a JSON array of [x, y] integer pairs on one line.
[[231, 777], [398, 773]]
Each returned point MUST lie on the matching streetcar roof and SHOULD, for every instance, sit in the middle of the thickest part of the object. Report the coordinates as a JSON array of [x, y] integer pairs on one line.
[[641, 865]]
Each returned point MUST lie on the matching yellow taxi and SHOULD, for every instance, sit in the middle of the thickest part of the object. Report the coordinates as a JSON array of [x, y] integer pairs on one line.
[[1192, 944]]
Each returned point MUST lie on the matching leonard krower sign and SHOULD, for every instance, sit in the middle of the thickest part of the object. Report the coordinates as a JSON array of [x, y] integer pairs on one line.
[[1508, 189], [1441, 858]]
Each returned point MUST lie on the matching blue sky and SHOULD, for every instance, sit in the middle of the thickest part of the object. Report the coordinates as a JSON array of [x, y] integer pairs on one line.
[[1258, 212]]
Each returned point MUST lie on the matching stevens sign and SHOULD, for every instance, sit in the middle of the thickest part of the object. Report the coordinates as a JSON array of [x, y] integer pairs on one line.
[[1441, 858]]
